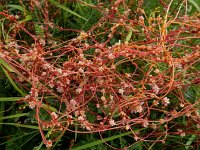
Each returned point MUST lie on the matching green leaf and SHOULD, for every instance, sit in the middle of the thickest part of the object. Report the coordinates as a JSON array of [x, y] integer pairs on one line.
[[9, 99], [19, 8], [20, 136], [14, 116], [190, 140], [101, 141], [13, 83], [22, 125], [195, 4], [65, 8], [27, 18], [2, 107], [6, 65], [49, 107], [128, 37]]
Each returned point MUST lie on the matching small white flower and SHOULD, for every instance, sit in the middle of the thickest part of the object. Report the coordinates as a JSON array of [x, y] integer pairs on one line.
[[165, 101], [81, 63], [88, 128], [103, 98], [157, 71], [112, 122], [138, 109], [182, 134], [127, 127], [101, 69], [136, 138], [153, 125], [111, 56], [79, 90], [155, 88], [73, 103], [44, 73], [49, 144], [111, 97], [60, 89], [59, 70], [155, 102], [54, 115], [80, 118], [32, 105], [81, 70], [51, 85], [98, 105], [161, 121], [121, 91], [145, 123], [103, 91]]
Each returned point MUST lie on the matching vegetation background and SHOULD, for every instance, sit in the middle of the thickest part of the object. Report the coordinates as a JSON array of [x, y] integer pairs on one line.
[[146, 52]]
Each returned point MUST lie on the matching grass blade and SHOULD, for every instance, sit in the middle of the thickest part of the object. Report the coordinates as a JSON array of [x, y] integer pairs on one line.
[[190, 140], [18, 7], [129, 36], [22, 125], [195, 4], [14, 116], [101, 141], [6, 65], [66, 9], [20, 136], [9, 99], [13, 83], [2, 106]]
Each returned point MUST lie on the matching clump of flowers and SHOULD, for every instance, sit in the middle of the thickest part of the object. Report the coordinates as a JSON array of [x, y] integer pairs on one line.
[[66, 81]]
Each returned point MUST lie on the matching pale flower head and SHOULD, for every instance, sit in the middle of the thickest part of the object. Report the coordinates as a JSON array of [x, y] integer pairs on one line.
[[165, 101], [182, 134], [32, 104], [112, 122], [155, 88], [79, 90], [157, 71], [145, 123], [121, 91], [138, 109], [127, 127], [49, 144], [54, 115], [81, 70]]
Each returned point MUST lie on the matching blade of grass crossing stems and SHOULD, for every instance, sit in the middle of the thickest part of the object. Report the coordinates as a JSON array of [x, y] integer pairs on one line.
[[58, 139], [27, 141], [13, 99], [128, 37], [22, 125], [13, 83], [6, 65], [9, 99], [14, 116], [101, 141], [195, 4], [190, 140], [49, 108], [1, 114], [66, 9], [47, 135]]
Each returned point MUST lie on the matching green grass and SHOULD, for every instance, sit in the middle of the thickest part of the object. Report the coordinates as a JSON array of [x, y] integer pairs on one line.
[[18, 126]]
